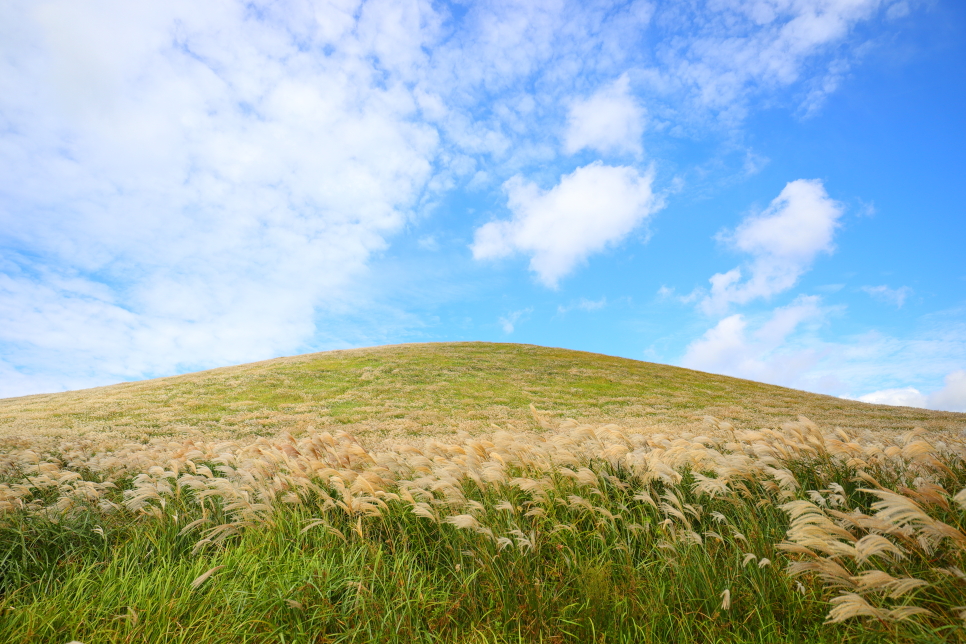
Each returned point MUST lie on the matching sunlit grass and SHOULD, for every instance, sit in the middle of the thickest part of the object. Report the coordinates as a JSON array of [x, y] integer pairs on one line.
[[573, 533], [432, 389]]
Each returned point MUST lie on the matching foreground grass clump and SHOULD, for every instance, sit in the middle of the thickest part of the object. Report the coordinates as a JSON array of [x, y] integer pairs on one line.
[[578, 534]]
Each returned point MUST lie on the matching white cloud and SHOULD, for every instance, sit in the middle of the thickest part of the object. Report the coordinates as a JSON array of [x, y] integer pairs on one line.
[[898, 10], [830, 288], [593, 207], [510, 320], [591, 305], [583, 304], [896, 296], [783, 241], [784, 348], [763, 353], [952, 396], [873, 361], [903, 397], [742, 48], [188, 184], [610, 121], [428, 242]]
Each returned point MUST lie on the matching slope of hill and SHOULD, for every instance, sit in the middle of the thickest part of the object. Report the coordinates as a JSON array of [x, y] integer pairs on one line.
[[639, 530], [432, 389]]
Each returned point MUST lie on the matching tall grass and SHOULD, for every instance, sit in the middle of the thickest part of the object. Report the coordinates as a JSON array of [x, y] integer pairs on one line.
[[578, 534]]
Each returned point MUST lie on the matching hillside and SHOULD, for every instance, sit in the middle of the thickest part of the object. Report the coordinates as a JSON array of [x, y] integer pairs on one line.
[[433, 389], [249, 516]]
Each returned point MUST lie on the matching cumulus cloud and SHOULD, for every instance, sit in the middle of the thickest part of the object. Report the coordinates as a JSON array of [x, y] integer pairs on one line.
[[784, 347], [593, 207], [895, 296], [951, 397], [610, 121], [186, 184], [760, 352], [783, 242]]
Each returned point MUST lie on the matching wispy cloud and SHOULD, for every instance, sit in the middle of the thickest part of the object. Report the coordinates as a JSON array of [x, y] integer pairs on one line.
[[583, 304], [510, 320], [740, 49], [830, 288], [895, 296], [428, 242], [174, 198], [786, 346]]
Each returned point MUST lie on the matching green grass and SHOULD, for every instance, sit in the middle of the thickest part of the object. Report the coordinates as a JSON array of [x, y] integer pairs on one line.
[[399, 577], [553, 568], [418, 390], [405, 580]]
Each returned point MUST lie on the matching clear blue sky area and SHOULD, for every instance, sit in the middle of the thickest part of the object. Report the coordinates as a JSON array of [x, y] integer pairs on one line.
[[770, 189]]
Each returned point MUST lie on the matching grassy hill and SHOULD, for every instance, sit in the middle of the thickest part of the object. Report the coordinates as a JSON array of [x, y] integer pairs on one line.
[[230, 506], [434, 389]]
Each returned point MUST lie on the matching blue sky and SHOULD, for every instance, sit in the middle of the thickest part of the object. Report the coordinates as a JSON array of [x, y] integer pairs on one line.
[[771, 189]]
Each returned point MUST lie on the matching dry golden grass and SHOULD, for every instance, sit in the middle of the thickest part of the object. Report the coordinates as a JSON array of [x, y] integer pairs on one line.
[[867, 556]]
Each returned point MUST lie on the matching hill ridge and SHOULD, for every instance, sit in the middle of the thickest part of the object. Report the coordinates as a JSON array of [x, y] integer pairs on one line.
[[436, 388]]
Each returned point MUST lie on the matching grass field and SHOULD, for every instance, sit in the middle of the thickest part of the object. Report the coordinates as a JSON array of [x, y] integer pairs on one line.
[[434, 390], [413, 494]]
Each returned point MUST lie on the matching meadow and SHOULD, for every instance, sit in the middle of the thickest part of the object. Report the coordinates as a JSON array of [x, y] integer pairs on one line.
[[641, 518]]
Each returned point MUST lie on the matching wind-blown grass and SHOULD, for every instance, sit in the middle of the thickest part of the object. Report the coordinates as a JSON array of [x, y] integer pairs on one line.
[[577, 534]]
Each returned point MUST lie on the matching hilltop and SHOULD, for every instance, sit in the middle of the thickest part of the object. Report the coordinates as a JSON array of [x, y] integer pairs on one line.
[[435, 389], [230, 505]]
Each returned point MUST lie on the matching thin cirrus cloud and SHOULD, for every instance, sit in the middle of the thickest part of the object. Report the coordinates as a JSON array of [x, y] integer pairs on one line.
[[782, 241], [894, 296], [583, 304], [588, 210], [740, 48]]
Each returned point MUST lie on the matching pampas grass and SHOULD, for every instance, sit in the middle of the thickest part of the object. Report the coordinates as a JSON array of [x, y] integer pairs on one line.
[[571, 533]]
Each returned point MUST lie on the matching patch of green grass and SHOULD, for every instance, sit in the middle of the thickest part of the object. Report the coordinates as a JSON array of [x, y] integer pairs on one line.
[[580, 564], [438, 388], [404, 580]]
